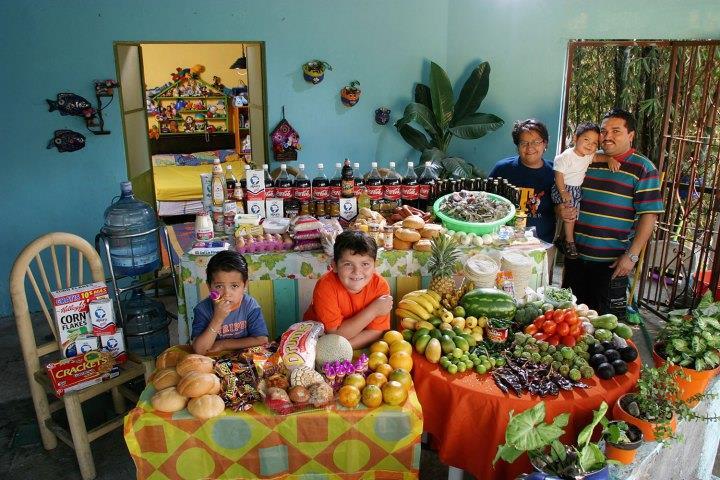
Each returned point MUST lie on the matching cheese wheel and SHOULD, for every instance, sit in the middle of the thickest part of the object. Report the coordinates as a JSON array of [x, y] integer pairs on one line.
[[206, 406], [196, 384], [164, 378], [195, 363], [170, 358], [168, 400], [401, 245], [407, 234], [413, 221], [431, 230], [422, 245]]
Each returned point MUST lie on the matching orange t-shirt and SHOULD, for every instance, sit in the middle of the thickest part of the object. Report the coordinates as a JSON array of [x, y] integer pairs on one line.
[[332, 302]]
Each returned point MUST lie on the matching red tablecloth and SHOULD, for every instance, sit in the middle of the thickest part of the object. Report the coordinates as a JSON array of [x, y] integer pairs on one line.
[[466, 414]]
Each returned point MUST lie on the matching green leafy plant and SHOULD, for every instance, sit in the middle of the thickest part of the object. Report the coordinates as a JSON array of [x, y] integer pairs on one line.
[[442, 118], [692, 339], [615, 432], [528, 432], [317, 66]]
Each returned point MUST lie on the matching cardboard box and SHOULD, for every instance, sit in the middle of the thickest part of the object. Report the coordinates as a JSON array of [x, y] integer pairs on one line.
[[86, 343], [114, 344], [81, 371], [72, 313], [102, 316]]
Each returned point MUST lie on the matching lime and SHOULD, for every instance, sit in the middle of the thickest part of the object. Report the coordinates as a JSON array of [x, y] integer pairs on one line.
[[452, 369]]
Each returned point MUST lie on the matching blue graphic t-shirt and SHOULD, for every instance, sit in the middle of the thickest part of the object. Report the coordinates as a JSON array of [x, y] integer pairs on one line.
[[245, 321], [535, 185]]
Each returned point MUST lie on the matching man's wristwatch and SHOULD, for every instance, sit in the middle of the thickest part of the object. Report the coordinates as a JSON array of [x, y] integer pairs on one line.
[[633, 258]]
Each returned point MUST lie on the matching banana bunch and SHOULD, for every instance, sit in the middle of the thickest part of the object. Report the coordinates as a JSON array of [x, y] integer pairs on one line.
[[418, 305]]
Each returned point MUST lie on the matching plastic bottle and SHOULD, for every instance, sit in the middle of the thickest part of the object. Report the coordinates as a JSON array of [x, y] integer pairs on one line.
[[128, 216], [301, 190], [269, 187], [320, 191], [363, 200], [374, 187], [391, 189], [409, 187], [143, 314], [218, 188], [283, 183], [230, 182], [347, 185], [332, 206], [426, 185]]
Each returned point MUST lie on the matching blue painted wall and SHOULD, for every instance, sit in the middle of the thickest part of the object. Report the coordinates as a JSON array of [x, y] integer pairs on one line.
[[55, 46]]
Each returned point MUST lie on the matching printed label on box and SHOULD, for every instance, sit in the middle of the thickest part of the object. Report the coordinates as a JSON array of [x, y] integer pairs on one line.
[[86, 343], [255, 185], [348, 208], [102, 316], [72, 313], [115, 345], [274, 207], [81, 371], [256, 207]]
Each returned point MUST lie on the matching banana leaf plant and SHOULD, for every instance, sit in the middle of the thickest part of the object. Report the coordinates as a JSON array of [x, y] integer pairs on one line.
[[442, 118]]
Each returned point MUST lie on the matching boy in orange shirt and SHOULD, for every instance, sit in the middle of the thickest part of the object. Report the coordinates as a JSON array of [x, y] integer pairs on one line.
[[352, 300]]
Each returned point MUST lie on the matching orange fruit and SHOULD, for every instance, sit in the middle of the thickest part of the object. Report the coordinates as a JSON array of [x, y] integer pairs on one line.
[[401, 360], [349, 396], [356, 380], [394, 393], [401, 376], [384, 368], [375, 359], [401, 346], [372, 396], [377, 379], [379, 346], [392, 336]]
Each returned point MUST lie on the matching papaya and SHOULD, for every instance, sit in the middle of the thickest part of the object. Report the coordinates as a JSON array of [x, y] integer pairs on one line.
[[421, 343], [447, 344], [469, 339], [623, 331], [433, 351], [461, 343], [607, 322], [419, 333]]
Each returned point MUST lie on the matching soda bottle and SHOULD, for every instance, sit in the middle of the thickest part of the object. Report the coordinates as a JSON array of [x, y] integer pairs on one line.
[[269, 187], [230, 182], [320, 191], [374, 187], [301, 190], [359, 182], [391, 189], [218, 188], [335, 184], [409, 188], [347, 184], [284, 184], [426, 187]]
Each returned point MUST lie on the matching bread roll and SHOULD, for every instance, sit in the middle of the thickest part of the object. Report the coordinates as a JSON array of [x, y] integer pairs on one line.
[[431, 230], [413, 221], [195, 363], [170, 358], [407, 234], [164, 378], [423, 245], [207, 406], [168, 400], [196, 384], [401, 245]]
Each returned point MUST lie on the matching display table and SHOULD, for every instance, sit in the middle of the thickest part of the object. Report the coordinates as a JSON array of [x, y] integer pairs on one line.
[[466, 414], [332, 443], [283, 282]]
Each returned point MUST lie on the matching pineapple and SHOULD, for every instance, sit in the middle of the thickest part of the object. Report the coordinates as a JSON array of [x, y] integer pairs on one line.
[[441, 265]]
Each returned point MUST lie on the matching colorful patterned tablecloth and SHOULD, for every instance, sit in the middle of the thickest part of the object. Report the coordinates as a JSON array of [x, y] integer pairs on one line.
[[283, 283], [332, 443]]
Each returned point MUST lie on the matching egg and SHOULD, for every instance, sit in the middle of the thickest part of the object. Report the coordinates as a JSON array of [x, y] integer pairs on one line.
[[487, 239], [240, 245]]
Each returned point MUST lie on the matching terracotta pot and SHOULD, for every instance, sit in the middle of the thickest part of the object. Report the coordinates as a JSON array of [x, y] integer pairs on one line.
[[624, 453], [697, 380], [647, 428]]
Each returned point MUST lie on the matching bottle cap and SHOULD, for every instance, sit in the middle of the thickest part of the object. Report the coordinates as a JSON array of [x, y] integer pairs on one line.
[[301, 166], [337, 165], [373, 164], [321, 166], [283, 166], [266, 167], [392, 164], [356, 165], [410, 164], [427, 164]]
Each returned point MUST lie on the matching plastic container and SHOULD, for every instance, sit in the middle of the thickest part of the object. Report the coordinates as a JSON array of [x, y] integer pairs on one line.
[[473, 227], [146, 325], [124, 218]]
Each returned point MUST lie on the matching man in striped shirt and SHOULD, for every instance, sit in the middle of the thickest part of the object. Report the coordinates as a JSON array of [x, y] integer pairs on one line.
[[617, 216]]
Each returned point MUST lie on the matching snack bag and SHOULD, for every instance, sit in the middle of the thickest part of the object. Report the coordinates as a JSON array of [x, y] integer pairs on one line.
[[297, 344], [504, 282]]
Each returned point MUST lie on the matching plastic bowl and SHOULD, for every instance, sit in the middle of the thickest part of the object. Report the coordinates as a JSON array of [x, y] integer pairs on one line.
[[473, 227]]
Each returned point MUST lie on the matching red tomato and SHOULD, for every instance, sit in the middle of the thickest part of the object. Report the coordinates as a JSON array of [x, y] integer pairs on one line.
[[553, 340], [558, 315], [539, 336], [563, 329], [539, 321], [570, 317], [567, 340], [549, 314], [575, 331], [531, 329], [549, 327]]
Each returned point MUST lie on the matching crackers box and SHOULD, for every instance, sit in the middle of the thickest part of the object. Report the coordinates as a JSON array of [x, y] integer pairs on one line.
[[81, 371]]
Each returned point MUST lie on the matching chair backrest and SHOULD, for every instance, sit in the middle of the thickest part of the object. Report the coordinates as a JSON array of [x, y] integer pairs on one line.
[[51, 262]]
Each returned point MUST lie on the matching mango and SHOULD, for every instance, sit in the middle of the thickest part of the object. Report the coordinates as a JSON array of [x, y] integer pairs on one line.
[[433, 351]]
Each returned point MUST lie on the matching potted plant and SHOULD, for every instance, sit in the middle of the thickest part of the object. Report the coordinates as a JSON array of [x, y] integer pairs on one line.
[[350, 93], [442, 119], [314, 71], [656, 407], [689, 341], [528, 432], [621, 440]]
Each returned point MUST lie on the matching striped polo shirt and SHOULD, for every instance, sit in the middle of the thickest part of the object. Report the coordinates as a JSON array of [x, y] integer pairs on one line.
[[612, 202]]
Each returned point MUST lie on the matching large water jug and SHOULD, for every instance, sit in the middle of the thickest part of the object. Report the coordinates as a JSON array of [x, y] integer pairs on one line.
[[146, 326], [131, 251]]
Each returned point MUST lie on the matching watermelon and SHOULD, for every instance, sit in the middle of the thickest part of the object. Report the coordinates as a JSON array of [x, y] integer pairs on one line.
[[488, 302]]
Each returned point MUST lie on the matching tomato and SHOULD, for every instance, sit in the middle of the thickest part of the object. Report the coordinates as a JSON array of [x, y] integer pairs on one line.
[[576, 331], [558, 315], [549, 314], [531, 329], [539, 336], [570, 317], [568, 341], [539, 321], [563, 329], [553, 340], [549, 327]]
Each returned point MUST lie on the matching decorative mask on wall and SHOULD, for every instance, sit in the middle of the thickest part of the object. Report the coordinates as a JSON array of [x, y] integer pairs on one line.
[[314, 71], [350, 93], [382, 115]]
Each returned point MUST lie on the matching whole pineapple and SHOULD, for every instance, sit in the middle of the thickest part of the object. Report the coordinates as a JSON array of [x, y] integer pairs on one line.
[[444, 254]]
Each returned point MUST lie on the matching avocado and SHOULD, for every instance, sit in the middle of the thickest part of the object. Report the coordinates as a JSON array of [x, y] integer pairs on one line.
[[605, 371], [598, 359], [620, 367], [595, 348], [629, 354], [607, 345], [612, 355]]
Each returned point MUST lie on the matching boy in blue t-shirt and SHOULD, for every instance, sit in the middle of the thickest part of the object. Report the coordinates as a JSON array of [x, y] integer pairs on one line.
[[234, 320]]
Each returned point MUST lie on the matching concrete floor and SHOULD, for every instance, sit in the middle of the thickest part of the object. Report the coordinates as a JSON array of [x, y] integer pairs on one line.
[[23, 457]]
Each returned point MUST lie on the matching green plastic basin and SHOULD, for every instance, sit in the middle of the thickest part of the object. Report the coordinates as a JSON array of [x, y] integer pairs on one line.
[[473, 227]]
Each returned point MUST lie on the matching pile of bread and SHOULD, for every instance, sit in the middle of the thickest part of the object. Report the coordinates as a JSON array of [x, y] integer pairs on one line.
[[370, 217], [187, 380], [412, 232]]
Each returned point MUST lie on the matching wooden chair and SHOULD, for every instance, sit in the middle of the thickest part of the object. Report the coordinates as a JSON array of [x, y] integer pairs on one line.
[[29, 266]]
